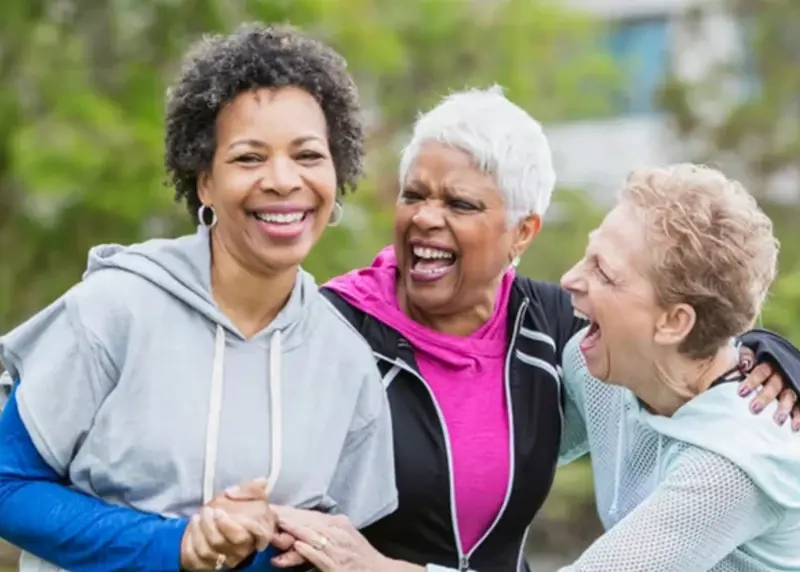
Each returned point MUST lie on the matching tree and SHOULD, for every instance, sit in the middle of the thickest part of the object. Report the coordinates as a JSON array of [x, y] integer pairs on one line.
[[82, 100], [756, 131]]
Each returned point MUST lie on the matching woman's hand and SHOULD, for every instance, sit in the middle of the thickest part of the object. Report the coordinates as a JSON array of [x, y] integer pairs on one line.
[[229, 528], [774, 387], [214, 540], [330, 543]]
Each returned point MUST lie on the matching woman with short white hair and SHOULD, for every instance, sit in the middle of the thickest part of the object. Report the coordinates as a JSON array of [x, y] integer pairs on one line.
[[686, 478], [470, 352]]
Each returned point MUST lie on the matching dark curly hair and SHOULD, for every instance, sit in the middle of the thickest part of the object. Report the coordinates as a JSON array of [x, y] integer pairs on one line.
[[218, 68]]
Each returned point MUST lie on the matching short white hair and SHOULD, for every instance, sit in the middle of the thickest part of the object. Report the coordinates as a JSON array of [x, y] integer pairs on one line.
[[502, 139]]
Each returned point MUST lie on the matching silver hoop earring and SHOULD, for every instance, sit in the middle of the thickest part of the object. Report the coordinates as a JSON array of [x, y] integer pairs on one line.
[[202, 215], [337, 214]]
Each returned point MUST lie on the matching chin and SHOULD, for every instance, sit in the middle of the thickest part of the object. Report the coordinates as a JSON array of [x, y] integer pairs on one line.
[[427, 296], [598, 370]]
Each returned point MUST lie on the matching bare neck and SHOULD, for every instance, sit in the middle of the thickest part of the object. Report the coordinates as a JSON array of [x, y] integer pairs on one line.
[[458, 323], [250, 300], [680, 378]]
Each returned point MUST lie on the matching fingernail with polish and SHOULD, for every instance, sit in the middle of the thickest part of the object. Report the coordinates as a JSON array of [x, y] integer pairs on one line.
[[756, 407], [781, 418], [744, 390]]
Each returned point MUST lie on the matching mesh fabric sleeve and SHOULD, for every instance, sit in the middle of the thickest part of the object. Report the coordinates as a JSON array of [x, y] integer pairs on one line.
[[702, 511], [574, 437]]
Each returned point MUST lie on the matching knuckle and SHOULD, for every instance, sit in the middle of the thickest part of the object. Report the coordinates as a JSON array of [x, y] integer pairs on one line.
[[761, 372], [206, 553]]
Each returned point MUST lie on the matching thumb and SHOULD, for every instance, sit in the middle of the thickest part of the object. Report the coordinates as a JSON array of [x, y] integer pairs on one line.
[[248, 490]]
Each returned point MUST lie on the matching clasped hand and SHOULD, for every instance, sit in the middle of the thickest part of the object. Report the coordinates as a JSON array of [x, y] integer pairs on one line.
[[230, 528]]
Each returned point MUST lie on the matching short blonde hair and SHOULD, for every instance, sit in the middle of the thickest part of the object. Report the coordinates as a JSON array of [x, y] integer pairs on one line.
[[712, 248]]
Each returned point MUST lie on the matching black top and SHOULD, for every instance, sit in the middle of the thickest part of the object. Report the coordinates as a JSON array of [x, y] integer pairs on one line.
[[422, 530]]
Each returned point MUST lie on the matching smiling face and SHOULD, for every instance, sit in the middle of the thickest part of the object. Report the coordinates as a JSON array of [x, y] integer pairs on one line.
[[272, 182], [452, 237], [610, 286]]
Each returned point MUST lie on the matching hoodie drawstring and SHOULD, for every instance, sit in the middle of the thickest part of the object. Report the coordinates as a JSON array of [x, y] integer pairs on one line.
[[215, 408]]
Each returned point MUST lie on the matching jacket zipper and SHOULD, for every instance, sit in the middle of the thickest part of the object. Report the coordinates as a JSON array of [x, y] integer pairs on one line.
[[463, 559]]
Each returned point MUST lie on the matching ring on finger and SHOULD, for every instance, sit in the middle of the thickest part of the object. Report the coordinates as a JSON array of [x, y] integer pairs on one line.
[[321, 543], [220, 564]]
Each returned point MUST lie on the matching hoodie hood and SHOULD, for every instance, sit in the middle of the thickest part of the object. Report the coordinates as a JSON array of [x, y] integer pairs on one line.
[[182, 267], [720, 421]]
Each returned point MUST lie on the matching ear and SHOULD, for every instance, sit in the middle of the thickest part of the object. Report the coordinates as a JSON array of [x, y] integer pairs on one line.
[[527, 229], [204, 188], [674, 325]]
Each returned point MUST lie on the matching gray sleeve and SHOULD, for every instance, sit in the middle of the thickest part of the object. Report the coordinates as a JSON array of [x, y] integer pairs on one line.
[[63, 378], [363, 485], [574, 438]]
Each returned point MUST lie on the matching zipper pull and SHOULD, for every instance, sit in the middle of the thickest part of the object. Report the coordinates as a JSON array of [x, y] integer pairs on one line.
[[463, 564]]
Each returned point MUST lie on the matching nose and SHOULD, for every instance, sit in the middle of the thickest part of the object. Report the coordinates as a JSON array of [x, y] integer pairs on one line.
[[281, 176], [429, 216], [573, 280]]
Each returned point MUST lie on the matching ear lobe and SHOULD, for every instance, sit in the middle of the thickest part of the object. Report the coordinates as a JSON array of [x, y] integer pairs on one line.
[[675, 324]]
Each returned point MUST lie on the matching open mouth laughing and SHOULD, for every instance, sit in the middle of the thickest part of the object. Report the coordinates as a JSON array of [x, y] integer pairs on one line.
[[431, 262], [593, 334]]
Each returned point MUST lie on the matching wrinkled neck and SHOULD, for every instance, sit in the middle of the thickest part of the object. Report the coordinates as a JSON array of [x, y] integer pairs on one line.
[[250, 300], [461, 323], [674, 381]]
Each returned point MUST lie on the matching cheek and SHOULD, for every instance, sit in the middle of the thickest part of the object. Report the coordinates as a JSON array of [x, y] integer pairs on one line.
[[484, 250], [403, 214], [323, 182]]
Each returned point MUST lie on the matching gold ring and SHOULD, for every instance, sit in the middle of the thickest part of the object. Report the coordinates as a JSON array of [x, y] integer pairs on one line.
[[220, 562], [321, 543]]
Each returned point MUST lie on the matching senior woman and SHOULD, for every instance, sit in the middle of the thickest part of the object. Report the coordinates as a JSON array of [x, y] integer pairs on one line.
[[469, 351], [180, 367], [685, 477]]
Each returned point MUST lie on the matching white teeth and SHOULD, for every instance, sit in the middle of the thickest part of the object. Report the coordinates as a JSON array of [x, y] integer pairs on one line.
[[281, 218], [431, 253], [581, 315], [431, 271]]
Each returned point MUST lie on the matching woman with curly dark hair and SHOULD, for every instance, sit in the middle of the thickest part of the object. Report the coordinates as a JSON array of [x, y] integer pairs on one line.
[[179, 368]]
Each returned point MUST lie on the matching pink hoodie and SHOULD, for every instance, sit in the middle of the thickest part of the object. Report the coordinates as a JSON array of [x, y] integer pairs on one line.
[[466, 376]]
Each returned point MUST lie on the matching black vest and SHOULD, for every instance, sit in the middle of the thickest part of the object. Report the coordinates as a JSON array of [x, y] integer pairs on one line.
[[423, 529]]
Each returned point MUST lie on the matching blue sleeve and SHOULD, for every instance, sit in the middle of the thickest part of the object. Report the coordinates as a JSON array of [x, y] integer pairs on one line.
[[40, 514], [778, 351]]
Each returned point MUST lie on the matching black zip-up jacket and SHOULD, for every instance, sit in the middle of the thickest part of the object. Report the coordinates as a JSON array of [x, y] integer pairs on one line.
[[423, 530]]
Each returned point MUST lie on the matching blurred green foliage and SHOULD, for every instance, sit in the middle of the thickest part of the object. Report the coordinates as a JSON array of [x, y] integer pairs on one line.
[[743, 114]]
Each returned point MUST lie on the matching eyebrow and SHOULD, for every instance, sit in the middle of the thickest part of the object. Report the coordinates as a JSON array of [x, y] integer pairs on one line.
[[261, 145]]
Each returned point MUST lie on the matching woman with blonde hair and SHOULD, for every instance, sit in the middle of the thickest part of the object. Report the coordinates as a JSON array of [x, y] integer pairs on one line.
[[686, 477]]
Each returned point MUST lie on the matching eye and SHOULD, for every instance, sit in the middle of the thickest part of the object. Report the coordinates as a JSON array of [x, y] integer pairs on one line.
[[605, 278], [309, 156], [410, 196], [462, 205], [249, 158]]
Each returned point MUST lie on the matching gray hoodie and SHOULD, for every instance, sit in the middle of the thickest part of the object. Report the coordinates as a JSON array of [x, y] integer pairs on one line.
[[136, 387]]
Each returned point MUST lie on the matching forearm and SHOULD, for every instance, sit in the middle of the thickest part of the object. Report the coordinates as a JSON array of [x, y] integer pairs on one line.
[[41, 515]]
